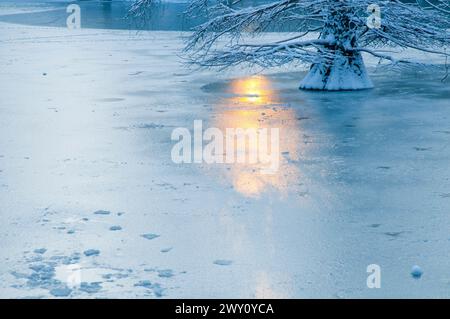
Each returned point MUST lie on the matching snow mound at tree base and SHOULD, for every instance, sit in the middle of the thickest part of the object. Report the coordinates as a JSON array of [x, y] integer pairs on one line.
[[346, 73]]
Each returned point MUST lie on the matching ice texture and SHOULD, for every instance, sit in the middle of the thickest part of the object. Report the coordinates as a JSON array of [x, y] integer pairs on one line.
[[363, 176], [91, 252]]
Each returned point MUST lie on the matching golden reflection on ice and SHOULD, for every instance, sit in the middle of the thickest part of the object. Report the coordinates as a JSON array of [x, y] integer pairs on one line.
[[253, 103], [253, 90]]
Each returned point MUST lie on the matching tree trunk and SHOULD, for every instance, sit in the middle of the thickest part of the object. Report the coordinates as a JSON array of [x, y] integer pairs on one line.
[[345, 72], [343, 67]]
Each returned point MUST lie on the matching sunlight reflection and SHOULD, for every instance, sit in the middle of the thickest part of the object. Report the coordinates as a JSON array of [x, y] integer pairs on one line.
[[254, 103], [265, 289], [253, 90]]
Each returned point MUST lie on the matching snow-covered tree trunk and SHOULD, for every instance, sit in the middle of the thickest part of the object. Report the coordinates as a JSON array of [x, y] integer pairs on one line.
[[342, 67], [344, 72]]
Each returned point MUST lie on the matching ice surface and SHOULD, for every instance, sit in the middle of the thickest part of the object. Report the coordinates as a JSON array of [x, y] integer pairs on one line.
[[90, 288], [165, 273], [155, 288], [102, 212], [61, 292], [416, 272], [92, 252], [150, 236], [363, 176], [222, 262]]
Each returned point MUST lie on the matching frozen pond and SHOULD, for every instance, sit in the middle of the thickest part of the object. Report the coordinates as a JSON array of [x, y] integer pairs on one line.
[[104, 14], [95, 14], [88, 187]]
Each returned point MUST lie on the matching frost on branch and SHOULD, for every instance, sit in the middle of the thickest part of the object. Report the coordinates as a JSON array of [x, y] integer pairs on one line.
[[329, 36]]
